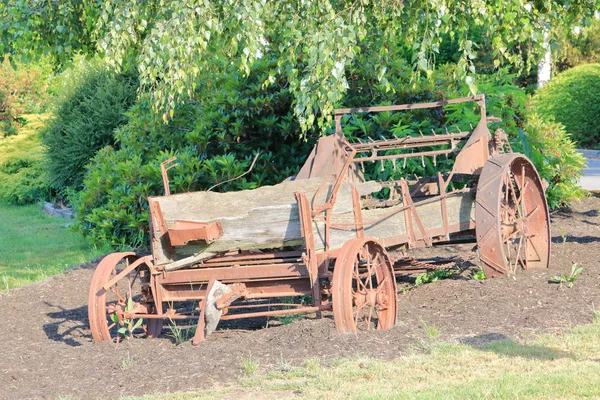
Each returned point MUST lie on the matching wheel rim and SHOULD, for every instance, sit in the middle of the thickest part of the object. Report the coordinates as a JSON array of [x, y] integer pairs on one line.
[[107, 308], [364, 289], [512, 223]]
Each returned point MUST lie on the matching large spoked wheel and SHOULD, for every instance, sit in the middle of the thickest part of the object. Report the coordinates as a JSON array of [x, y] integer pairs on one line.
[[364, 288], [512, 223], [107, 308]]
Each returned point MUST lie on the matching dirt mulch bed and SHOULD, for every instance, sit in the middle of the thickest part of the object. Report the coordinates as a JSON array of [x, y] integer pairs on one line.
[[46, 349]]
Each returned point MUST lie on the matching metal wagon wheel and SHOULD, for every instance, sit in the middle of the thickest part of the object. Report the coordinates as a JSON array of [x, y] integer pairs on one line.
[[364, 288], [512, 223], [131, 293]]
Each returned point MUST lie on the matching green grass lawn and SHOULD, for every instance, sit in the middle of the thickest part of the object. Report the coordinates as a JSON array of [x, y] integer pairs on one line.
[[34, 246], [562, 366]]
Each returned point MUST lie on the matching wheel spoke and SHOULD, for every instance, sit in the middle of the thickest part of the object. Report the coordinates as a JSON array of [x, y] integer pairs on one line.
[[381, 285], [359, 283], [369, 269], [518, 256], [514, 195], [369, 317]]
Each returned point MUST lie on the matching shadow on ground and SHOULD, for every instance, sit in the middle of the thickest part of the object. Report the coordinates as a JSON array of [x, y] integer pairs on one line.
[[505, 346]]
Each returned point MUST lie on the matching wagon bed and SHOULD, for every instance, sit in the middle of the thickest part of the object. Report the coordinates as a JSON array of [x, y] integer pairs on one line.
[[326, 234]]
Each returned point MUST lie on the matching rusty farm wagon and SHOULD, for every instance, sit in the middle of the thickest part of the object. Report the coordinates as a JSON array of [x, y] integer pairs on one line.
[[327, 235]]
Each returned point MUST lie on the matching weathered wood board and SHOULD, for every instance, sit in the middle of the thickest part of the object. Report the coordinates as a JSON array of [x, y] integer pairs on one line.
[[262, 218], [267, 218], [460, 211]]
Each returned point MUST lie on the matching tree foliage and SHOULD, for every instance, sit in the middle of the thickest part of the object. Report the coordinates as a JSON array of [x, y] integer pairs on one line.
[[314, 43]]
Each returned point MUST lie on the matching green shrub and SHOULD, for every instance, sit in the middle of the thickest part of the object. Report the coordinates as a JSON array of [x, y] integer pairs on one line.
[[22, 177], [92, 102], [556, 159], [571, 98], [215, 139], [23, 90]]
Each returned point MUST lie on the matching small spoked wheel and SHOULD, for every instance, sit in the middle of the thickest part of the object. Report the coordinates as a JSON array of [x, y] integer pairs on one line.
[[364, 288], [110, 303], [512, 223]]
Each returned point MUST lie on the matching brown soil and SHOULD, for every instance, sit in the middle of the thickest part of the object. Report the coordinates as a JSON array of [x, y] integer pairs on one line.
[[46, 347]]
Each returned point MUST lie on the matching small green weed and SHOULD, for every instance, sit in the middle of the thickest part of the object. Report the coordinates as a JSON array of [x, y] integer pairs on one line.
[[180, 334], [249, 366], [127, 362], [130, 326], [479, 275], [432, 276], [431, 331], [568, 279]]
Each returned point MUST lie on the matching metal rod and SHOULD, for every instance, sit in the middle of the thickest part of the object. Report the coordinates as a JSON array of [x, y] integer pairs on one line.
[[400, 107]]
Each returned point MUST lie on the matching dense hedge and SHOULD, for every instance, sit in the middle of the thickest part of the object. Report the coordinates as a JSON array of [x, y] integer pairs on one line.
[[571, 98], [91, 105]]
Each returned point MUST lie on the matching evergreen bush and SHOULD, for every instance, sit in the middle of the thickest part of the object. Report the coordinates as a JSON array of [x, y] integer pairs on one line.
[[91, 104], [571, 98]]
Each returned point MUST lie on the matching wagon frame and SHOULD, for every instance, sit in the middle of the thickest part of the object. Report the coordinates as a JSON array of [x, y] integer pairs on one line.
[[505, 213]]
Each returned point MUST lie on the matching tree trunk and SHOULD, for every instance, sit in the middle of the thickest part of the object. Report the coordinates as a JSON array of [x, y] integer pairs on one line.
[[545, 63]]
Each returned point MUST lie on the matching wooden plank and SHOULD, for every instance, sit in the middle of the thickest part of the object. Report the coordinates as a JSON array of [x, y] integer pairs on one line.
[[267, 218], [263, 218]]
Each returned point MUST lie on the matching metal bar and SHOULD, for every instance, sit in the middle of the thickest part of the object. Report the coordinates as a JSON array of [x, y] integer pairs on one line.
[[274, 312], [408, 201], [254, 290], [410, 141], [399, 107], [306, 224], [235, 274], [164, 167], [338, 182], [406, 155], [360, 229], [443, 187], [242, 306]]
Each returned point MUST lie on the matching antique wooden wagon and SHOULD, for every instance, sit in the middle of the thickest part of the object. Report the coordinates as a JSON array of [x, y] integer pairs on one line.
[[324, 235]]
